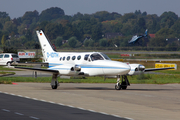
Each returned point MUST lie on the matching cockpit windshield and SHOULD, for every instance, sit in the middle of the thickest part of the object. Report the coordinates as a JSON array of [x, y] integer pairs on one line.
[[96, 56], [105, 56]]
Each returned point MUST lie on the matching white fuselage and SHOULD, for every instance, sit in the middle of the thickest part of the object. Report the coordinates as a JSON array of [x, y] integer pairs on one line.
[[65, 62]]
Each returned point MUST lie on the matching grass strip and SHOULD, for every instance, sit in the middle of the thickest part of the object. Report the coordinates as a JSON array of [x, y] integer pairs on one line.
[[136, 79]]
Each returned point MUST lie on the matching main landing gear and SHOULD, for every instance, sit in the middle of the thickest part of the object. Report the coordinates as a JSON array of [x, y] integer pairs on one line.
[[122, 84], [54, 81]]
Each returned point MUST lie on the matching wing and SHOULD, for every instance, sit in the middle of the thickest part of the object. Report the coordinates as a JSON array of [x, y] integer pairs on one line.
[[62, 71], [138, 69], [155, 69], [39, 69]]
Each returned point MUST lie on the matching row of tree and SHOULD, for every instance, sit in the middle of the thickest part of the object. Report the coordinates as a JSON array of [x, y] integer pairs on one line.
[[87, 30]]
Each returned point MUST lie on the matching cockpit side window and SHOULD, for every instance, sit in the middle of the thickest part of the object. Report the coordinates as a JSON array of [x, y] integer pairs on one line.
[[96, 56], [86, 57]]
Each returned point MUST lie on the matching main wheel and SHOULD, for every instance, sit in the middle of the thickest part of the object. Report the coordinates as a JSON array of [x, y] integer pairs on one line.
[[124, 87], [117, 86], [54, 86]]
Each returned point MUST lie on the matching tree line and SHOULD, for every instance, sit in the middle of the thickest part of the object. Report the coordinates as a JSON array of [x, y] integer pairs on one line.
[[88, 30]]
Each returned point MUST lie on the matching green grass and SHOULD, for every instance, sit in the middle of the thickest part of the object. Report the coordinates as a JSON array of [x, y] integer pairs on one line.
[[137, 79], [155, 79], [4, 73], [3, 68], [169, 71]]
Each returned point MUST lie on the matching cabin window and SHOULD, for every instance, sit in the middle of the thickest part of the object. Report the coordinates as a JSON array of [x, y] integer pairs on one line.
[[96, 56], [64, 58], [60, 58], [74, 57], [86, 57], [79, 57], [68, 58]]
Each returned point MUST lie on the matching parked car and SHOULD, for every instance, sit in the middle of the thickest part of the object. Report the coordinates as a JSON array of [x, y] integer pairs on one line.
[[8, 58]]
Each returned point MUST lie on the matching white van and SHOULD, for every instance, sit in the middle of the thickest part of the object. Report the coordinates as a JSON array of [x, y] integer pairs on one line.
[[8, 58]]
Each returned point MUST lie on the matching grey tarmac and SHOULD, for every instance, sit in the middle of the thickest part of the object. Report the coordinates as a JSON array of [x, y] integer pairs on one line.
[[139, 101]]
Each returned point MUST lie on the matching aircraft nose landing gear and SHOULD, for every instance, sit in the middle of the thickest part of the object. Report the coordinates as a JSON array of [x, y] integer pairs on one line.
[[122, 84], [118, 85]]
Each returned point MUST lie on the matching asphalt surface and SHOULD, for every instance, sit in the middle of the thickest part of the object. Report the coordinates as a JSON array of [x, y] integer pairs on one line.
[[19, 108], [138, 102]]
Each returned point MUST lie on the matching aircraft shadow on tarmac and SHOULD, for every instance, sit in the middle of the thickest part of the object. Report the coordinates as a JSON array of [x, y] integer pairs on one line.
[[151, 89], [103, 88], [94, 88], [79, 88], [106, 88]]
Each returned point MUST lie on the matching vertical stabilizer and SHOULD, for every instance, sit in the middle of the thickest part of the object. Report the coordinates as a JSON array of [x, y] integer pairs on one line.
[[47, 50], [145, 34]]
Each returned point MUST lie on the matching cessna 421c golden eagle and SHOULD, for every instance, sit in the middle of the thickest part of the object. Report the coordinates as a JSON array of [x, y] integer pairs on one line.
[[85, 64]]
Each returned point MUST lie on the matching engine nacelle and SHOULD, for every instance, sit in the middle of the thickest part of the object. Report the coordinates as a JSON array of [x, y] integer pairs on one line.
[[67, 69], [136, 69]]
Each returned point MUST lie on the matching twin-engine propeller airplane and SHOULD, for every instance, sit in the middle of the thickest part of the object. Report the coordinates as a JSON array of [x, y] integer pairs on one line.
[[84, 64]]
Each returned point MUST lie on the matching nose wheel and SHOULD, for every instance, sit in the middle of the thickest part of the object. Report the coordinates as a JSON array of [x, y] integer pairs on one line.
[[117, 86], [122, 84]]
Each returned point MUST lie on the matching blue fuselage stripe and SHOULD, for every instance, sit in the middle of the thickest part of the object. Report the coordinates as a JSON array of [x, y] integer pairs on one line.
[[84, 66]]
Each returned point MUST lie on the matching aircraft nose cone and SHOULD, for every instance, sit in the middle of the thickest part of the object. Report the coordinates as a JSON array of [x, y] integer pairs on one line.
[[125, 69]]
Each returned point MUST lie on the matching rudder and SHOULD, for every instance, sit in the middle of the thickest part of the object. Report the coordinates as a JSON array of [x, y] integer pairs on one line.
[[46, 47]]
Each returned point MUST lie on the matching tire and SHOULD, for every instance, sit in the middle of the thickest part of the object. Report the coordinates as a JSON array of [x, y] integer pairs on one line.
[[124, 87], [117, 87], [54, 86], [8, 64]]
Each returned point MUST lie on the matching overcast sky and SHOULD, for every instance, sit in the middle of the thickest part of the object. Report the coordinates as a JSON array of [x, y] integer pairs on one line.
[[17, 8]]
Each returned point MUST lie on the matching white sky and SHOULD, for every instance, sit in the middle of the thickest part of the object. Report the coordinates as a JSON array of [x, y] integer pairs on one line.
[[17, 8]]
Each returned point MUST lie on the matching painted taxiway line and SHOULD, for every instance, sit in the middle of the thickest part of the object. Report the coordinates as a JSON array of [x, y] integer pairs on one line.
[[34, 117], [17, 113], [62, 105], [5, 110]]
